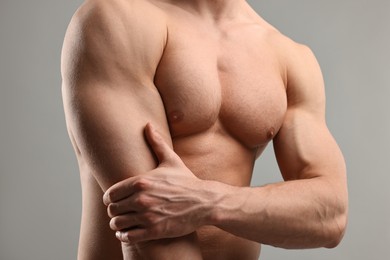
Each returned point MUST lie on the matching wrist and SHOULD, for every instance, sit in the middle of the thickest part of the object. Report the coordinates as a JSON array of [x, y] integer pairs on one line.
[[221, 202]]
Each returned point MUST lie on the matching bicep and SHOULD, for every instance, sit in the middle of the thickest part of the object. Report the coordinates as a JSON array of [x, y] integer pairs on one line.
[[107, 126], [304, 147], [108, 91]]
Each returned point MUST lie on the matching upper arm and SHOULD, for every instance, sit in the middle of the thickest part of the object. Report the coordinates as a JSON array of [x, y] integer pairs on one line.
[[108, 63], [304, 147]]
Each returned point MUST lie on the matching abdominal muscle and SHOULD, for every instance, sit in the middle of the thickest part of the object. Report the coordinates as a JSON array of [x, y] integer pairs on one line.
[[216, 155], [217, 244]]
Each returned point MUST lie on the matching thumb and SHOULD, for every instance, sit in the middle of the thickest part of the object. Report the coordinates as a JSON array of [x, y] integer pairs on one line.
[[160, 147]]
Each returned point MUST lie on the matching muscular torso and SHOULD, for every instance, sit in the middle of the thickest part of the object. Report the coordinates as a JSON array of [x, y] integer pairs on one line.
[[225, 100], [223, 89]]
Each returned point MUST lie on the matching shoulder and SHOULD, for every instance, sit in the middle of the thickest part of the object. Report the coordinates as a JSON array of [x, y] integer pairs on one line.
[[118, 9], [114, 35], [294, 57], [290, 52], [303, 76], [118, 18]]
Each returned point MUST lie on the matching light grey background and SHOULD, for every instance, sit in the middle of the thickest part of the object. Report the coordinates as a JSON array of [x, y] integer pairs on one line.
[[39, 185]]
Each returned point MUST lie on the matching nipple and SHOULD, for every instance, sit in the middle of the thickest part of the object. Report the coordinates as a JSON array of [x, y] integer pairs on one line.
[[176, 116], [271, 133]]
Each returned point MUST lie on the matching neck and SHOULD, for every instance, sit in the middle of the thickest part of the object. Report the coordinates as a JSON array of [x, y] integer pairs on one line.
[[216, 9]]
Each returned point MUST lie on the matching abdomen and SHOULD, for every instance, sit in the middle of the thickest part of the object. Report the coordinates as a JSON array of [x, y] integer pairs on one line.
[[217, 244], [215, 155]]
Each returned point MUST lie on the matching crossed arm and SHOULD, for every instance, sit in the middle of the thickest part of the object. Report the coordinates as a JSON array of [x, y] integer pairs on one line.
[[108, 102], [308, 210]]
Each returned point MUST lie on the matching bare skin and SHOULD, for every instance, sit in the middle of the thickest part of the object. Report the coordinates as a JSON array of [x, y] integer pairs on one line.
[[168, 105]]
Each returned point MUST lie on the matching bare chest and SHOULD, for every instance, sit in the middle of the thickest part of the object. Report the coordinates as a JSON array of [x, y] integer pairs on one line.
[[231, 78]]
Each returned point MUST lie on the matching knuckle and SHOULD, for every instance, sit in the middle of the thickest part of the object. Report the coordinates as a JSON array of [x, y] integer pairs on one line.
[[142, 201], [141, 184]]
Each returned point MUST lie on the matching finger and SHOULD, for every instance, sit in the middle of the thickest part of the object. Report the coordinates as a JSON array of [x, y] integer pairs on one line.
[[119, 208], [133, 236], [124, 222], [120, 191], [129, 204], [160, 147]]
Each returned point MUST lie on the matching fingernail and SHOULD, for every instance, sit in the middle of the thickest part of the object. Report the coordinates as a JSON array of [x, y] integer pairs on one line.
[[118, 234], [105, 199]]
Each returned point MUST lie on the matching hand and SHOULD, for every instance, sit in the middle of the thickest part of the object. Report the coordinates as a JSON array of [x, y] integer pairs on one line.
[[167, 202]]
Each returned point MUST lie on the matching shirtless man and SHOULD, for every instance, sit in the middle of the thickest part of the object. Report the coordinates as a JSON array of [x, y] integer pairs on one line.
[[168, 105]]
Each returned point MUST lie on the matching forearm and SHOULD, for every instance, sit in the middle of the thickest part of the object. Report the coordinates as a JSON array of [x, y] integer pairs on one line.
[[295, 214]]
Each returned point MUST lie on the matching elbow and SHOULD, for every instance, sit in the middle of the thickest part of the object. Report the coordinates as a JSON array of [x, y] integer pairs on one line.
[[336, 230], [335, 239], [337, 219]]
